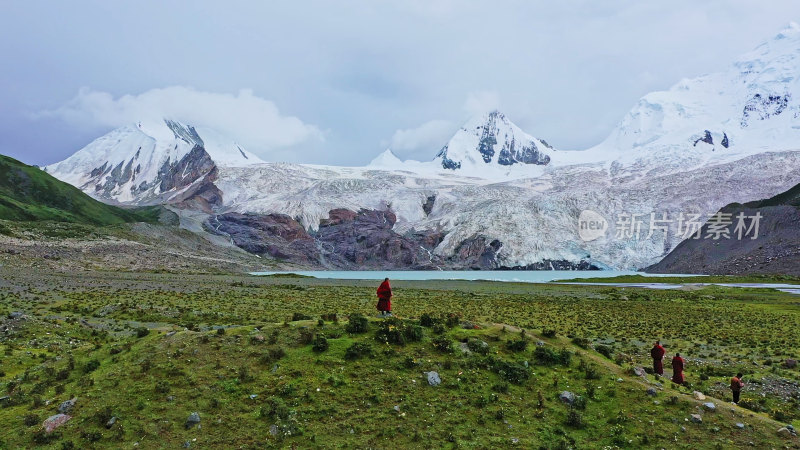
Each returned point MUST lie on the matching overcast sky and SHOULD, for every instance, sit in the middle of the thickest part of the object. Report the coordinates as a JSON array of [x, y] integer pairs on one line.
[[338, 82]]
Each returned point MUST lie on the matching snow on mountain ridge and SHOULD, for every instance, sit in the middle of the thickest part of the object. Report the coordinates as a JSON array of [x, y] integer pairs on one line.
[[128, 163], [750, 107], [492, 139]]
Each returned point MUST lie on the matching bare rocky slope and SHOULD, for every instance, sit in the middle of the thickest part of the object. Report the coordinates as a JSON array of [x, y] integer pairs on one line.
[[776, 250]]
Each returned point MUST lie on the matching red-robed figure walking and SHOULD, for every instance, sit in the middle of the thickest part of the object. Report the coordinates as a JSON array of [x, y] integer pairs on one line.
[[677, 369], [657, 353], [385, 298]]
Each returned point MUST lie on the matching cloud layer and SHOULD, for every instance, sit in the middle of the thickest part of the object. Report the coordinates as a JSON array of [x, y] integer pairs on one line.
[[253, 121], [366, 74], [422, 142]]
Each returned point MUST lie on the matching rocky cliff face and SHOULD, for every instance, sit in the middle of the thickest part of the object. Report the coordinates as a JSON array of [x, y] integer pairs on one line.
[[363, 240]]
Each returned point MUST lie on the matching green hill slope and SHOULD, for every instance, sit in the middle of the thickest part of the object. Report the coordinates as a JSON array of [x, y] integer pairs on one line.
[[30, 194]]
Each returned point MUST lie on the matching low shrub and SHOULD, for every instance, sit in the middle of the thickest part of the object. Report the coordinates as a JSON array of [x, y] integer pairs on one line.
[[395, 331], [306, 336], [272, 355], [299, 316], [478, 346], [30, 420], [604, 350], [427, 320], [574, 419], [442, 344], [517, 345], [91, 366], [549, 357], [274, 408], [357, 324], [358, 350], [512, 372], [320, 343], [581, 342]]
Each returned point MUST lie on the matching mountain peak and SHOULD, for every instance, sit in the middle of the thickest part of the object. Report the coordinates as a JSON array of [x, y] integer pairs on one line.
[[491, 138], [387, 159], [133, 161]]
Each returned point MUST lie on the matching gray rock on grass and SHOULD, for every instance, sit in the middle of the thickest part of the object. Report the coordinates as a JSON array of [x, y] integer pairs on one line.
[[192, 420], [433, 378], [567, 397], [67, 406]]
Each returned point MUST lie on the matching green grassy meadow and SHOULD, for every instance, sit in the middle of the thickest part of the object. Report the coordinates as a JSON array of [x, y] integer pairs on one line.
[[275, 362]]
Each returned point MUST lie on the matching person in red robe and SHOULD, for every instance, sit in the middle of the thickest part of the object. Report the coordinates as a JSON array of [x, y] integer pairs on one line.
[[657, 353], [385, 298], [677, 369], [736, 387]]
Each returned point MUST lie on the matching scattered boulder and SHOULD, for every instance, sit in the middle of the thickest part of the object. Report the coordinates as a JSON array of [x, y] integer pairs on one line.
[[433, 378], [710, 406], [652, 392], [784, 432], [696, 418], [639, 372], [273, 429], [790, 363], [192, 420], [740, 426], [67, 406], [111, 422], [567, 397], [698, 395], [53, 422], [16, 315]]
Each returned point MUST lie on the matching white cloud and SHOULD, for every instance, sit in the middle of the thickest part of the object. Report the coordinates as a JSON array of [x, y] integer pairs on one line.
[[252, 121], [480, 102], [423, 141]]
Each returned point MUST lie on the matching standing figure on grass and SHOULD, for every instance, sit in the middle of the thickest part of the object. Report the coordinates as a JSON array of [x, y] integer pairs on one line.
[[385, 299], [736, 387], [657, 353], [677, 369]]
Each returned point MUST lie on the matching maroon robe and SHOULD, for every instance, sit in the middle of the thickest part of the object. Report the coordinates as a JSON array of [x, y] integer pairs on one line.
[[677, 370], [384, 297], [657, 353]]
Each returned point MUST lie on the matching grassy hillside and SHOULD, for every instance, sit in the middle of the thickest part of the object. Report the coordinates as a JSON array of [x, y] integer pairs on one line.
[[30, 194], [275, 362]]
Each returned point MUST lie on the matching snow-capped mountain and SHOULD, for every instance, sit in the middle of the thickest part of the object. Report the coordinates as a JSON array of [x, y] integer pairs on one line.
[[752, 107], [493, 196], [150, 162], [492, 139]]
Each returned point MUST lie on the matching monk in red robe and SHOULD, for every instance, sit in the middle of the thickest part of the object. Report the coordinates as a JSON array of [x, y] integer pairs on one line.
[[677, 369], [657, 353], [385, 298]]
